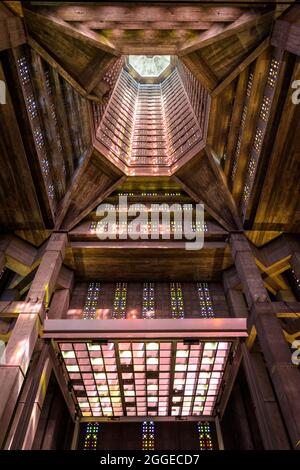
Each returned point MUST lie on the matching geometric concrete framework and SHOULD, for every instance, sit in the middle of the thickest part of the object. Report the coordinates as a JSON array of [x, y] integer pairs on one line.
[[140, 130], [173, 103]]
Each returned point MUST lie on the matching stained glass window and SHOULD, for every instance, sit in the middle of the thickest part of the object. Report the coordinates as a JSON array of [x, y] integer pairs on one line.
[[120, 300], [48, 82], [138, 378], [238, 144], [31, 106], [32, 109], [91, 436], [204, 432], [205, 300], [91, 302], [265, 108], [148, 306], [258, 139], [23, 70], [51, 191], [148, 435], [250, 83], [273, 72], [176, 295]]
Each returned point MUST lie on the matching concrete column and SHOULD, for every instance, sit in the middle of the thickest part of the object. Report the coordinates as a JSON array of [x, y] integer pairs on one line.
[[59, 304], [267, 421], [47, 274], [266, 410], [17, 355], [284, 375], [28, 411]]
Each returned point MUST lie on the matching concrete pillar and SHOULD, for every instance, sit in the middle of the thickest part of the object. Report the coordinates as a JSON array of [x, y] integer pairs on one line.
[[266, 421], [284, 375], [59, 304], [266, 409], [17, 355], [28, 411]]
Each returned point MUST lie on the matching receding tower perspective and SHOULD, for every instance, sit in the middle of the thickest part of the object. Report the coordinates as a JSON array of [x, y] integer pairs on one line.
[[149, 226]]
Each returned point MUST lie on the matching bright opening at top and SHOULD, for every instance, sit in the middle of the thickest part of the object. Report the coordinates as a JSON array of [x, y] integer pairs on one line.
[[149, 65]]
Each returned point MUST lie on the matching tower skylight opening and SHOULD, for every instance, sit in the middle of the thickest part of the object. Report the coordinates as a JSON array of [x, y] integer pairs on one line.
[[149, 65]]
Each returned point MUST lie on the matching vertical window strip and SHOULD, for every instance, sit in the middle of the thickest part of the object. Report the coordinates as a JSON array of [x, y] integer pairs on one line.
[[251, 170], [273, 72], [205, 299], [177, 306], [296, 280], [91, 437], [32, 109], [264, 112], [48, 82], [204, 433], [238, 144], [120, 301], [92, 300], [148, 306], [148, 435]]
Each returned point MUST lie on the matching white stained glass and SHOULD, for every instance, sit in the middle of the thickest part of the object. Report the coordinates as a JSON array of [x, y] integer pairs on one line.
[[149, 66], [141, 382]]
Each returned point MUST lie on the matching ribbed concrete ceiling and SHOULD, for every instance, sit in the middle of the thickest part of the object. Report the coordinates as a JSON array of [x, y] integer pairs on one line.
[[154, 127]]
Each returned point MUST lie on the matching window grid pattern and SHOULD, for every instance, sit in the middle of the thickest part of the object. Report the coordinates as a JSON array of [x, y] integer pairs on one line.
[[148, 435], [91, 436], [199, 226], [237, 149], [205, 436], [38, 138], [45, 166], [165, 378], [273, 72], [48, 82], [32, 109], [251, 170], [102, 226], [252, 167], [176, 299], [120, 301], [31, 106], [264, 113], [150, 194], [249, 84], [246, 193], [206, 304], [148, 305], [265, 108], [23, 70], [92, 300], [53, 113], [258, 139], [51, 191]]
